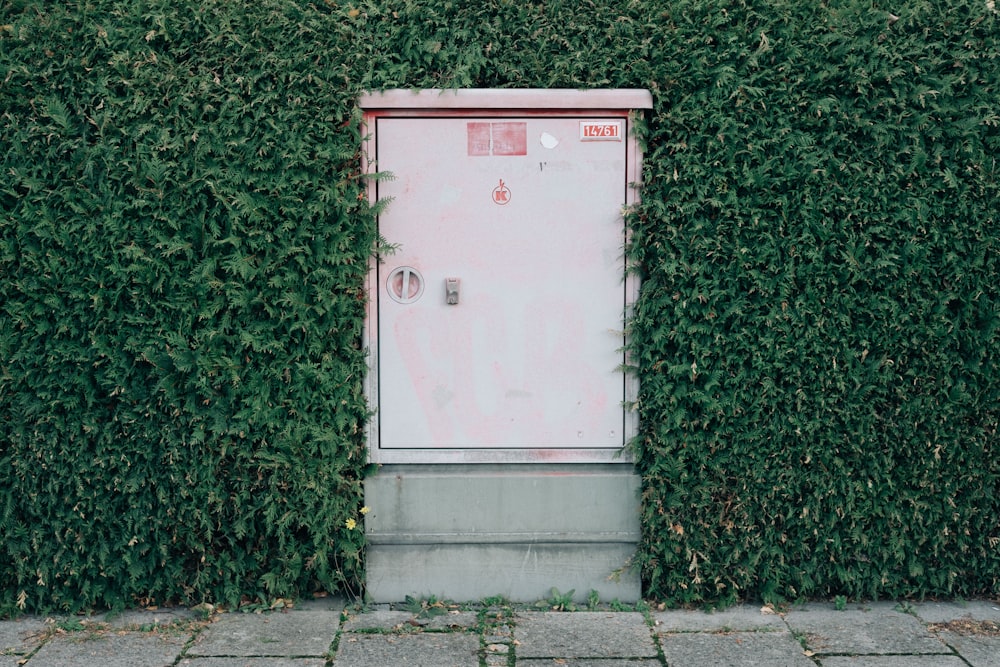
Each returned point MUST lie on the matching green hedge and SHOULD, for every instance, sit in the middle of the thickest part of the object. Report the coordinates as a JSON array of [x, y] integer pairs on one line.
[[818, 337], [183, 255], [185, 238]]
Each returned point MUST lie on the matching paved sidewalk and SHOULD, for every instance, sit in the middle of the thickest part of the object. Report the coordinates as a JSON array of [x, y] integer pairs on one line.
[[325, 633]]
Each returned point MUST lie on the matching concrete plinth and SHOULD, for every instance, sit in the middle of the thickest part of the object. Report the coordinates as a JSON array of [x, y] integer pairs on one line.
[[466, 532]]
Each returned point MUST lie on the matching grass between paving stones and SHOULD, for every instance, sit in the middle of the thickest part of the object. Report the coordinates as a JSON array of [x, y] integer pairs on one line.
[[495, 625], [429, 607], [559, 601], [331, 652], [657, 640], [432, 607], [84, 629], [968, 627], [424, 616], [726, 630], [805, 639], [495, 619]]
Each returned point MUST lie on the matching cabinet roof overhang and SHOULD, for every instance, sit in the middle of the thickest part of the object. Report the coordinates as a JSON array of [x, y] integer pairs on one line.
[[508, 98]]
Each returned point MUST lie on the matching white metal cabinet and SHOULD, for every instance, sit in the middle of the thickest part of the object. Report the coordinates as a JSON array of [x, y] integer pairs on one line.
[[510, 203], [495, 334]]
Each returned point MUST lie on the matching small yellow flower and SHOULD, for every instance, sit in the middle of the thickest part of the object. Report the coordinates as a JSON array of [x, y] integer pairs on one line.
[[351, 524], [365, 510]]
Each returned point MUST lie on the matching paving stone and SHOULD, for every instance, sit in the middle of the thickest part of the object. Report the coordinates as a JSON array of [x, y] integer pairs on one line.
[[22, 635], [583, 634], [290, 634], [127, 649], [894, 661], [498, 634], [431, 649], [589, 662], [132, 618], [743, 617], [978, 651], [452, 621], [877, 628], [942, 612], [251, 662], [733, 649], [381, 620], [324, 603], [385, 620]]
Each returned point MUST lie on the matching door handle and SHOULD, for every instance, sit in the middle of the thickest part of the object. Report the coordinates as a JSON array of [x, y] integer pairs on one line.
[[405, 285]]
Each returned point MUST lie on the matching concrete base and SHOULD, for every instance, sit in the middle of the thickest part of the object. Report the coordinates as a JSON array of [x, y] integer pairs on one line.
[[466, 532], [518, 572]]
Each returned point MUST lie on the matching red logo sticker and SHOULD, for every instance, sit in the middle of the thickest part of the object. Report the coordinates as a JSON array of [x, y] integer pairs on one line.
[[501, 194]]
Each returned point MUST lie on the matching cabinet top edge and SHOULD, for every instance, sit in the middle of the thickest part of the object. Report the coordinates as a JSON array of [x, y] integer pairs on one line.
[[508, 98]]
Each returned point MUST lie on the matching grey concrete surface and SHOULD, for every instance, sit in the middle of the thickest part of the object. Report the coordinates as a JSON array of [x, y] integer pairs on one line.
[[330, 634], [378, 620], [977, 651], [741, 618], [294, 633], [894, 661], [133, 618], [733, 649], [524, 571], [588, 662], [405, 621], [942, 612], [252, 662], [20, 636], [469, 531], [127, 649], [583, 635], [413, 650], [861, 629]]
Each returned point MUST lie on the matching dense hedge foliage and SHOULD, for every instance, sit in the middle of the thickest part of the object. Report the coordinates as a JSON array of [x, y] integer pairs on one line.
[[184, 241], [819, 332], [183, 254]]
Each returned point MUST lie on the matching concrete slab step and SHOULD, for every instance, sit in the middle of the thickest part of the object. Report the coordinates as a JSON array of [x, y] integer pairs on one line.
[[519, 572]]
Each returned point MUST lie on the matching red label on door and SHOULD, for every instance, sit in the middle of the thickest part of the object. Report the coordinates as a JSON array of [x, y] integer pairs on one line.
[[510, 138], [479, 138], [600, 130], [497, 138]]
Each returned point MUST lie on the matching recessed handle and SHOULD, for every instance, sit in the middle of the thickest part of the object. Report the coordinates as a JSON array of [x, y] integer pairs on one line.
[[405, 284]]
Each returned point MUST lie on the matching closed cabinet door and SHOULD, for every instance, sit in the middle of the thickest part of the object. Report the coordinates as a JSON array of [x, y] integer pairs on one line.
[[500, 303]]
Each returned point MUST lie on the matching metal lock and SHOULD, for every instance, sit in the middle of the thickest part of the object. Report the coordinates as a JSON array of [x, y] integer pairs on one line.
[[451, 289]]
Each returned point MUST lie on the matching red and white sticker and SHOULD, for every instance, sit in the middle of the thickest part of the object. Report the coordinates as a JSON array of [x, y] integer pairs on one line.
[[497, 138], [600, 130]]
